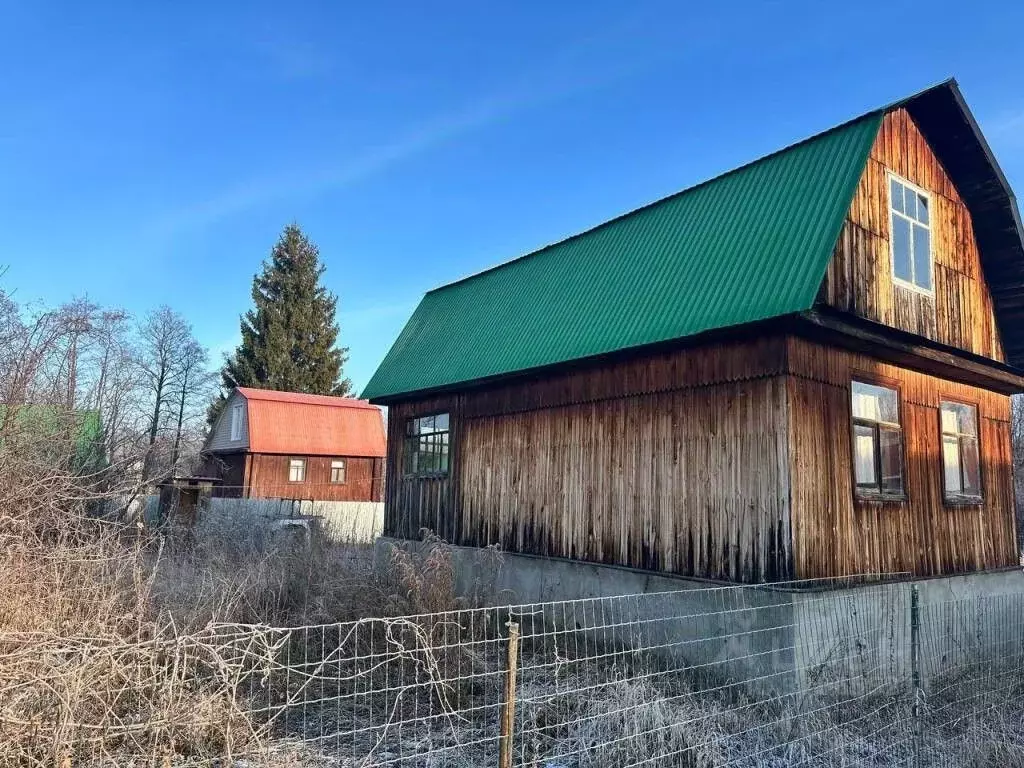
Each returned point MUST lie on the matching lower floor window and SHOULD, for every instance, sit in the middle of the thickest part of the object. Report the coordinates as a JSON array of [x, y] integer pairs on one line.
[[426, 446], [296, 470], [961, 465], [338, 471], [877, 440]]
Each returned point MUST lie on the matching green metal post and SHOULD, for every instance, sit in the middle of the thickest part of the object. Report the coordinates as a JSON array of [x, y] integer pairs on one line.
[[915, 669]]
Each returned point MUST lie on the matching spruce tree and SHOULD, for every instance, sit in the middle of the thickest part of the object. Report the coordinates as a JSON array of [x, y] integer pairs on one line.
[[289, 337]]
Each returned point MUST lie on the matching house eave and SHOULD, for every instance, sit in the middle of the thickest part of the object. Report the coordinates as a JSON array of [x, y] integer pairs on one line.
[[768, 327], [908, 350], [821, 324]]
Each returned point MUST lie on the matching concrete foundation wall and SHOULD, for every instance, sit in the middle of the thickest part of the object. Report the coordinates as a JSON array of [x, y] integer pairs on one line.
[[771, 639], [866, 632], [720, 635]]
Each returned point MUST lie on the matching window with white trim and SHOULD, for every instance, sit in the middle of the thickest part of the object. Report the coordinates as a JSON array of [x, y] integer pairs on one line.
[[961, 465], [236, 422], [910, 234], [296, 470], [877, 441], [337, 471]]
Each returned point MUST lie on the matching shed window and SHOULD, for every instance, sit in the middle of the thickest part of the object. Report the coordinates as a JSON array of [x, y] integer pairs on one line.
[[910, 235], [236, 422], [426, 446], [338, 471], [296, 470], [877, 441], [961, 468]]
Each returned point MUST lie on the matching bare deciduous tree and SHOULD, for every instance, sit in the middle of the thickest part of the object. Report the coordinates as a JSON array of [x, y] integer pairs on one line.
[[193, 386], [163, 336]]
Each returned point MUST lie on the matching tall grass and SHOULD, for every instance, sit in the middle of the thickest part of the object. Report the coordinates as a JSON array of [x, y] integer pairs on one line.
[[112, 637], [126, 646]]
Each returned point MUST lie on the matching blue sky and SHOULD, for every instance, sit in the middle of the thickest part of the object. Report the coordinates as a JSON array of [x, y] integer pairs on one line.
[[151, 153]]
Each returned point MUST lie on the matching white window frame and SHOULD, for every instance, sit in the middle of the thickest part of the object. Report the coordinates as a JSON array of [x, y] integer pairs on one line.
[[343, 466], [299, 464], [889, 178], [236, 422]]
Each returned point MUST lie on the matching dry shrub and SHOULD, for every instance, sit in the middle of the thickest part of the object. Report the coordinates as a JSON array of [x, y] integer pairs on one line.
[[92, 699], [238, 571], [620, 722], [91, 670], [975, 717], [425, 575]]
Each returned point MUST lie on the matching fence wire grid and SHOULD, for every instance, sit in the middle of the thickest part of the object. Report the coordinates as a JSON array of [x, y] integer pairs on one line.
[[868, 675]]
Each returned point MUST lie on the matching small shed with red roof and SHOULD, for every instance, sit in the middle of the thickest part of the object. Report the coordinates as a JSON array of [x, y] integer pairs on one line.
[[288, 445]]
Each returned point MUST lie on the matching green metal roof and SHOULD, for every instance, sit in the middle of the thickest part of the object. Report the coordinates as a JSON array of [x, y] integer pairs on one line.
[[749, 245]]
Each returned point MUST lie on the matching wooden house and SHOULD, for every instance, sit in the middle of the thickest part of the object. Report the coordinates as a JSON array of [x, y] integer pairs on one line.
[[799, 369], [287, 445]]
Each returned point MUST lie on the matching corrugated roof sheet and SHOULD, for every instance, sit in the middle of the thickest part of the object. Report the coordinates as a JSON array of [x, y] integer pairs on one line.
[[746, 246], [312, 425]]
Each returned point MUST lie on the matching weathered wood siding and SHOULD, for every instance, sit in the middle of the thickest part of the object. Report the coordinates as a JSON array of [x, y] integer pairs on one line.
[[859, 277], [674, 462], [415, 504], [834, 533], [268, 479]]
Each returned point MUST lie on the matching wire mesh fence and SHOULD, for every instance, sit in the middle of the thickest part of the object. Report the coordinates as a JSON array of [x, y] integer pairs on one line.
[[794, 675]]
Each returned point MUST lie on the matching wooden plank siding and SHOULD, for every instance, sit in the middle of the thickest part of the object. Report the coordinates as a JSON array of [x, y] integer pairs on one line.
[[733, 460], [730, 461], [859, 277], [836, 534], [675, 462], [268, 478]]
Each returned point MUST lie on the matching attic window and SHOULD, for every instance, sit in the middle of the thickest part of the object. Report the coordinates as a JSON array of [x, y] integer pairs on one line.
[[236, 422], [910, 235]]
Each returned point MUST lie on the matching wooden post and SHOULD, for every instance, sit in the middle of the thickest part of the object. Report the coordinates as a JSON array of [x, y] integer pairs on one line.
[[915, 668], [508, 714]]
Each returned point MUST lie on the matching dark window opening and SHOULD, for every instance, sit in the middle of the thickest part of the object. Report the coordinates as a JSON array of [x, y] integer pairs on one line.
[[426, 446]]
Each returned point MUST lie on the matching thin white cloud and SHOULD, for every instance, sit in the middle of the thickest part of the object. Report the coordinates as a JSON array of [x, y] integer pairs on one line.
[[261, 190], [558, 79]]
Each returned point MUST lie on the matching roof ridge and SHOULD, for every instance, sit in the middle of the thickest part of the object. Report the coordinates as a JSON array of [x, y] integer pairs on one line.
[[303, 398], [750, 163]]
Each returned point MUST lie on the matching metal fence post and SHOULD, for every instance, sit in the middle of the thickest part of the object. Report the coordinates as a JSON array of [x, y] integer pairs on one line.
[[508, 714], [915, 668]]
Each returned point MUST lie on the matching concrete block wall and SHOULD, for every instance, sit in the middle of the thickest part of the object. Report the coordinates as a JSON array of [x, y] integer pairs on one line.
[[720, 635], [771, 639]]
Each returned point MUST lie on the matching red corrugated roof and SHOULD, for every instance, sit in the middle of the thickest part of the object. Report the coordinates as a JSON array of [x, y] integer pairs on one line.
[[312, 425]]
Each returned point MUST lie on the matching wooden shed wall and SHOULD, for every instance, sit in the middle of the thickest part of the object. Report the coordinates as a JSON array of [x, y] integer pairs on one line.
[[836, 535], [674, 462], [268, 479], [859, 277]]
